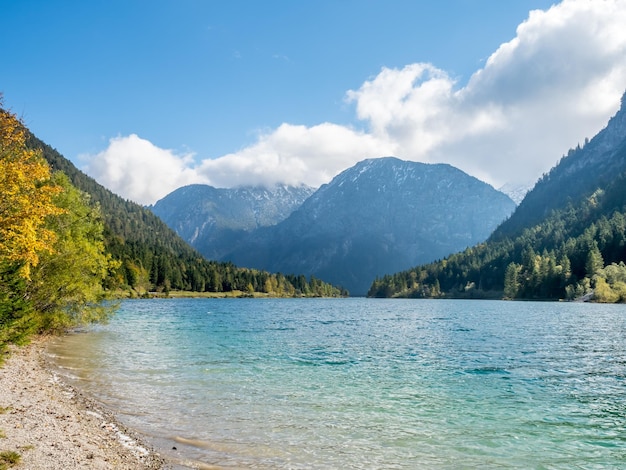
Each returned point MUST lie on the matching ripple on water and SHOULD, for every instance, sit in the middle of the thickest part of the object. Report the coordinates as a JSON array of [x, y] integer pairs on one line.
[[357, 383]]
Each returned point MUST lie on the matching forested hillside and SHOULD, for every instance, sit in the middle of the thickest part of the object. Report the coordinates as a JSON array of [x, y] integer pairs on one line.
[[578, 174], [152, 257], [67, 244], [52, 257], [380, 215], [567, 239]]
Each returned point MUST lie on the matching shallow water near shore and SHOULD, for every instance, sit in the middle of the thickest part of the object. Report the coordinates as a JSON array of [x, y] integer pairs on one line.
[[362, 383]]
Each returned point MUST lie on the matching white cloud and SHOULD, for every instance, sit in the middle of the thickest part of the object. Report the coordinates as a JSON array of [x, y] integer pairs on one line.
[[556, 82], [407, 106], [140, 171], [294, 155]]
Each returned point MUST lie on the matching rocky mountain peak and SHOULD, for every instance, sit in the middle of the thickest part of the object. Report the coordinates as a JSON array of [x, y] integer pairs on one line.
[[374, 217], [210, 219]]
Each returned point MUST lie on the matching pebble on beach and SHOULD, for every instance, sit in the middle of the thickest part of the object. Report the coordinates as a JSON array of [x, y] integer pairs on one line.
[[52, 426]]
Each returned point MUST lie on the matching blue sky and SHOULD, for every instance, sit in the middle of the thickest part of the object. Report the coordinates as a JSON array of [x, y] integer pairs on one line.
[[149, 95]]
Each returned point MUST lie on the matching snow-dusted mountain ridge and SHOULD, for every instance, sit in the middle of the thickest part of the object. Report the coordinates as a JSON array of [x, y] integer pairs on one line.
[[211, 219], [380, 216]]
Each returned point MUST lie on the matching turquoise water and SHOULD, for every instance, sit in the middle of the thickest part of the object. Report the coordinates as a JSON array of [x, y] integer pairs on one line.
[[363, 383]]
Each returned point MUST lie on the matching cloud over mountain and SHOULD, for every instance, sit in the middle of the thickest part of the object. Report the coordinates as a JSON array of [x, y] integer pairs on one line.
[[140, 171], [556, 82]]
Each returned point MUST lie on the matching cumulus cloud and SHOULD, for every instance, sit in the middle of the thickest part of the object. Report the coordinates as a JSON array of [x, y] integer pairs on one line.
[[556, 82], [409, 107], [140, 171], [294, 155]]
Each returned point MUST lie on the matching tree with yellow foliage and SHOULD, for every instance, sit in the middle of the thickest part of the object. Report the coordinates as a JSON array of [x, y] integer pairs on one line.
[[52, 255], [26, 199]]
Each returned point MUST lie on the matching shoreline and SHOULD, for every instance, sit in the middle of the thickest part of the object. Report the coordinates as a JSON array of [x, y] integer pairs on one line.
[[53, 425]]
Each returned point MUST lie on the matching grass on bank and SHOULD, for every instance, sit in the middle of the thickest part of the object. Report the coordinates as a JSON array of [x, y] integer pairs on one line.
[[8, 459]]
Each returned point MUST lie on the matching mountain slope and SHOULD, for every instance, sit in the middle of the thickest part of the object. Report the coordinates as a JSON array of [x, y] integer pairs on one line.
[[566, 239], [576, 176], [213, 219], [379, 216], [152, 256]]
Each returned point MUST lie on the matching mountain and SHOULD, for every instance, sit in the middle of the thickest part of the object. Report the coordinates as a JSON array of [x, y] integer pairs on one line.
[[578, 174], [566, 239], [377, 217], [213, 219], [516, 192], [152, 256]]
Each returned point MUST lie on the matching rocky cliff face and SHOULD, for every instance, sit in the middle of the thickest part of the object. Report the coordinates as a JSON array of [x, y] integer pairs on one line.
[[380, 216], [212, 219]]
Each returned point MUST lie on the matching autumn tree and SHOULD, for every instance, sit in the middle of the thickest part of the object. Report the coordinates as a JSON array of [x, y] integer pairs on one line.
[[26, 199], [52, 255], [66, 287]]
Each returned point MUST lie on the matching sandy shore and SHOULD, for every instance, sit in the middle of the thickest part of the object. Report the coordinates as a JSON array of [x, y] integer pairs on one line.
[[52, 426]]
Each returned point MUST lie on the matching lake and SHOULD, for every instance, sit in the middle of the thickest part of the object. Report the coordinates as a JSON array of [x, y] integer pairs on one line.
[[362, 383]]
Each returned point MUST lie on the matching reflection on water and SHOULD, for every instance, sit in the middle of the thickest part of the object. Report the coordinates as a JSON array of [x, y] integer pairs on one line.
[[358, 383]]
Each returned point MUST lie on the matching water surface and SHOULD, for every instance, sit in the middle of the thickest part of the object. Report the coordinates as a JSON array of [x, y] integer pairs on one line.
[[363, 383]]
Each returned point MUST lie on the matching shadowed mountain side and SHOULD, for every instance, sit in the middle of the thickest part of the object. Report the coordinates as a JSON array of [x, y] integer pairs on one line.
[[152, 256], [377, 217], [212, 219], [566, 239]]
